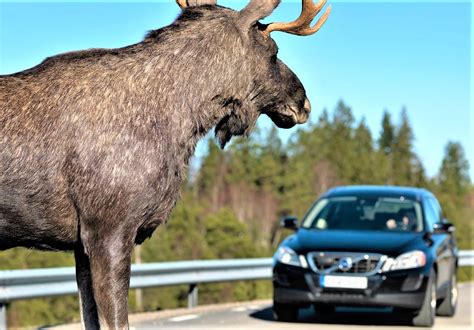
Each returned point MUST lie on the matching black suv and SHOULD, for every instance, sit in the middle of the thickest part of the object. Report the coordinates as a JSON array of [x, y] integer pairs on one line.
[[369, 246]]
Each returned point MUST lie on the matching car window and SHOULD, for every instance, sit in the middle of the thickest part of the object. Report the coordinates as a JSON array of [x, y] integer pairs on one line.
[[365, 213], [434, 203], [431, 214]]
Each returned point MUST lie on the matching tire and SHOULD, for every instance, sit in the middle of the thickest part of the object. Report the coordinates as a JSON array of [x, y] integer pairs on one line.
[[449, 303], [323, 309], [285, 313], [427, 313]]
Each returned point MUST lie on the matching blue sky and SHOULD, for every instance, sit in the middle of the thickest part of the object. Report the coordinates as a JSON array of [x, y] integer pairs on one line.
[[374, 55]]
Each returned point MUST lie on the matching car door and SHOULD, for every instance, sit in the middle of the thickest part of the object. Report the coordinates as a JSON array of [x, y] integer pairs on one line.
[[444, 246]]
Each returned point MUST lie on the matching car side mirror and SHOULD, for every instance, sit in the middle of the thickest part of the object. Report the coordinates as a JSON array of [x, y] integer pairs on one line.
[[290, 222], [444, 227]]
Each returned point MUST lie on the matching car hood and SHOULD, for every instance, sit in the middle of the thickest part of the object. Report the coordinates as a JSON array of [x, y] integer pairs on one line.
[[390, 243]]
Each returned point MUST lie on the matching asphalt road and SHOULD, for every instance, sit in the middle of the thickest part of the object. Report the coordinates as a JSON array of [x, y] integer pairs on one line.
[[258, 315]]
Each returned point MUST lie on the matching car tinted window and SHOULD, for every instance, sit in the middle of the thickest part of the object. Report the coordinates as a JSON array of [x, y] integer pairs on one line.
[[434, 203], [368, 213], [431, 214]]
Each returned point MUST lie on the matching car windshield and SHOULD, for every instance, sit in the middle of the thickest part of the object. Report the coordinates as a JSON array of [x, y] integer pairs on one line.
[[365, 213]]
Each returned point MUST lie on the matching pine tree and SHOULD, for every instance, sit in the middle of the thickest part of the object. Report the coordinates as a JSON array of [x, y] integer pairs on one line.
[[402, 152], [211, 178], [454, 171], [270, 161], [364, 166], [387, 136], [418, 173], [456, 193], [340, 147]]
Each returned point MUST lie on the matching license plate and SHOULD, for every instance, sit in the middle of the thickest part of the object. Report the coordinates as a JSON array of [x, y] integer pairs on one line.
[[343, 282]]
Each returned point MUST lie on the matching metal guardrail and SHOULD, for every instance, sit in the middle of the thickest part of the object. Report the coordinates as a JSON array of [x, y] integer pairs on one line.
[[466, 258], [37, 283], [48, 282]]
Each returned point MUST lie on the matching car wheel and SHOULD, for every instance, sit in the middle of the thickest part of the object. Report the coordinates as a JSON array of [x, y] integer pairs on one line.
[[285, 313], [427, 313], [323, 309], [449, 303]]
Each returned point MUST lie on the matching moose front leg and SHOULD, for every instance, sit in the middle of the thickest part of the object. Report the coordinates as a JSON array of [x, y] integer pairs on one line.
[[110, 266]]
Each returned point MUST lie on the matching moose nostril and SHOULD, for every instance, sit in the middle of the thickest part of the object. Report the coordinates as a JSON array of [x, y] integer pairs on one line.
[[307, 106]]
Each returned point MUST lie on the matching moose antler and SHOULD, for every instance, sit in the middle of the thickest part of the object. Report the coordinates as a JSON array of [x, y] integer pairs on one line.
[[182, 3], [192, 3], [302, 26]]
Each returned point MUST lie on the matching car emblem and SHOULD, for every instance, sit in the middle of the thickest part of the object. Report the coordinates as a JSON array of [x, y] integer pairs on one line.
[[345, 264]]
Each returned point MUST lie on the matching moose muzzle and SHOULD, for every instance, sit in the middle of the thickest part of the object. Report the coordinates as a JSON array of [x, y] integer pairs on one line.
[[304, 113]]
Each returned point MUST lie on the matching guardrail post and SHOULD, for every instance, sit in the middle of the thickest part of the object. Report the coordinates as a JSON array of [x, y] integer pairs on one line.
[[193, 296], [3, 316]]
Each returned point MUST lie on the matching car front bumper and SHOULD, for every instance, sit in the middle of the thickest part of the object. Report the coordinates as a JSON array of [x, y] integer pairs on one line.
[[299, 286]]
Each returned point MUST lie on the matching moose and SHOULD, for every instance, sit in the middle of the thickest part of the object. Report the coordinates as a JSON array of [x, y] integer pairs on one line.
[[94, 144]]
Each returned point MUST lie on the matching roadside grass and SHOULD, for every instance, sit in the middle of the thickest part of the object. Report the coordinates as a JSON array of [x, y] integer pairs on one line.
[[466, 274]]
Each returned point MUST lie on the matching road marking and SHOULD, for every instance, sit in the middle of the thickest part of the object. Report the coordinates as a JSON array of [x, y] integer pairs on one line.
[[184, 318], [239, 309], [253, 308]]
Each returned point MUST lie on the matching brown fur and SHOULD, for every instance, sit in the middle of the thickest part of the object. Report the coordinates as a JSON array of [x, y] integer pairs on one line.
[[94, 144]]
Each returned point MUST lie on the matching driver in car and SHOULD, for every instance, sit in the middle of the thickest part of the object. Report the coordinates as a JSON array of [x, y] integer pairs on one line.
[[406, 222]]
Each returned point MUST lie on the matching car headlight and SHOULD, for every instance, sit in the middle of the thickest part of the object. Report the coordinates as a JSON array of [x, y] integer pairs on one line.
[[287, 256], [412, 259]]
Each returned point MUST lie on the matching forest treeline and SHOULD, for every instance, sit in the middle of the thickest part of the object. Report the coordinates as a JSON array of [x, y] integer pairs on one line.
[[231, 204]]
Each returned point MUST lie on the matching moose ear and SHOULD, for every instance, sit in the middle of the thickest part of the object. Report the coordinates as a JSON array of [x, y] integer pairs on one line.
[[257, 10]]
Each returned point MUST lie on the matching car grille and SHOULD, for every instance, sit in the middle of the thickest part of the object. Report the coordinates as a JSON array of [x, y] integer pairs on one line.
[[345, 263]]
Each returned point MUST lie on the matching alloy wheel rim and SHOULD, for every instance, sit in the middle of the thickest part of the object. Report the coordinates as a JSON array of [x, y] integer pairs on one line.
[[433, 299], [454, 291]]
